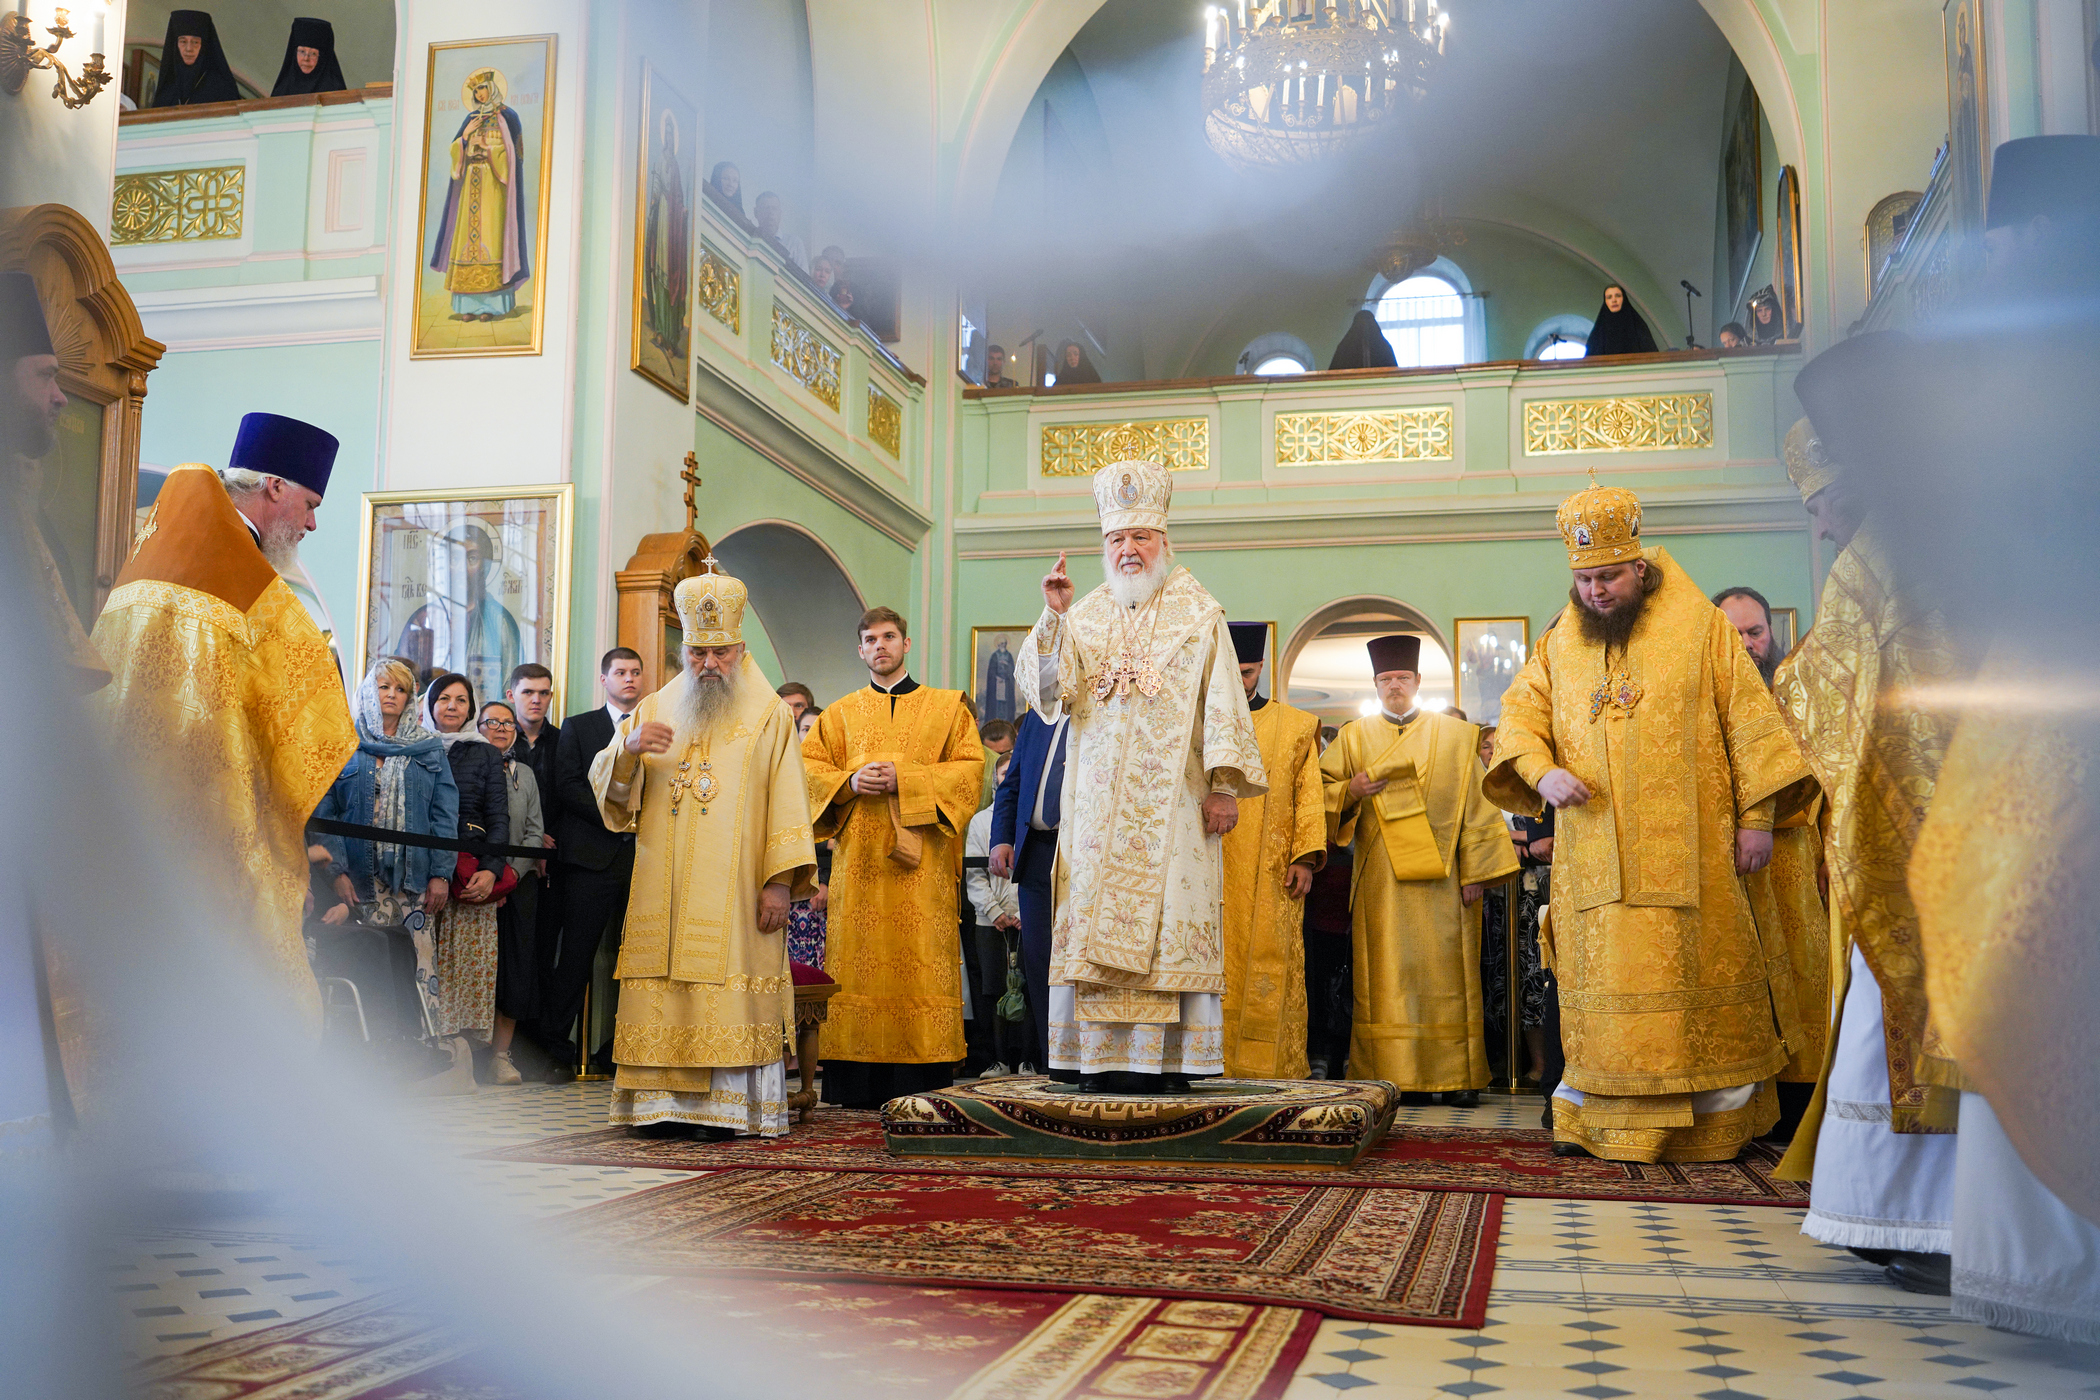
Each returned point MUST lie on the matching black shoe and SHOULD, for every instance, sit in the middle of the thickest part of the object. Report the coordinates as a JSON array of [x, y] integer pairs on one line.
[[708, 1132], [1922, 1273], [1463, 1098], [1879, 1258], [662, 1131], [1173, 1084], [561, 1074], [1570, 1149], [1412, 1098]]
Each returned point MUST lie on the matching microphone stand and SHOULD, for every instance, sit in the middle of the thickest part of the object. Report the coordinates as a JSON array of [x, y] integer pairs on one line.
[[1690, 340]]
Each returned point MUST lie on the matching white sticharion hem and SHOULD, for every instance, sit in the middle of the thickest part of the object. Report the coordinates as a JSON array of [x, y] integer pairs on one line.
[[751, 1100], [1193, 1045], [1875, 1188], [2023, 1260]]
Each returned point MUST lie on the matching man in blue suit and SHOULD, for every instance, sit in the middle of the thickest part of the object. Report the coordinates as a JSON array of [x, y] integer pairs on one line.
[[1023, 849]]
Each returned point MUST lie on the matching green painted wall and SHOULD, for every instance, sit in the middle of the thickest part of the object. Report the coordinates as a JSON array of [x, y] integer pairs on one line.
[[193, 409]]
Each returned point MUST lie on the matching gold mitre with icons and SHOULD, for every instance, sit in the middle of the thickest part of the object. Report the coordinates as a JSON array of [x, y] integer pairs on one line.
[[1132, 496], [711, 607], [1806, 461], [1600, 525]]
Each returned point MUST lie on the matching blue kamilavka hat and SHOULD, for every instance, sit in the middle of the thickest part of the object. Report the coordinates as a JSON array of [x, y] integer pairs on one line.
[[279, 446]]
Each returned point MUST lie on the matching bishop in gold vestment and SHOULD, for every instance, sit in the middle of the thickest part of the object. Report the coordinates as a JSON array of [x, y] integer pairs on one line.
[[225, 694], [1162, 752], [1648, 727], [1270, 859], [895, 770], [1875, 1136], [706, 773], [1425, 840]]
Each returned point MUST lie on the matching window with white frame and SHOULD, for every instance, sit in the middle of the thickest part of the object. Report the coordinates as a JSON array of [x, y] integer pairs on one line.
[[1558, 338], [1429, 318], [1278, 352]]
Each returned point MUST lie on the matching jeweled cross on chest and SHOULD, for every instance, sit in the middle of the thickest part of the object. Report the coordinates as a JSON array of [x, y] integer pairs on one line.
[[695, 778], [1130, 659]]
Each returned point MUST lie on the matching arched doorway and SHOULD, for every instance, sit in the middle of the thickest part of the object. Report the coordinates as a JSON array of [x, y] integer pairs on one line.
[[805, 602], [1328, 672]]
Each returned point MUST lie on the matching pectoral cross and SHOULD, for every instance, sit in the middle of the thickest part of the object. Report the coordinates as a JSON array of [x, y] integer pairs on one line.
[[698, 782], [691, 477]]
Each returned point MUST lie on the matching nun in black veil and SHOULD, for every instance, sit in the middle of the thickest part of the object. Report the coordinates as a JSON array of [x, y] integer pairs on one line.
[[1619, 329], [1073, 366], [193, 67], [309, 60], [1364, 346]]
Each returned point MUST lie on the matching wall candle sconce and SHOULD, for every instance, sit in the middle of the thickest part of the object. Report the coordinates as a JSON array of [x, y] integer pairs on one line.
[[20, 55]]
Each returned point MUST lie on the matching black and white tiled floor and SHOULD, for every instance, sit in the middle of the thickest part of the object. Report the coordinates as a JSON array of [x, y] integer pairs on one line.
[[1594, 1299]]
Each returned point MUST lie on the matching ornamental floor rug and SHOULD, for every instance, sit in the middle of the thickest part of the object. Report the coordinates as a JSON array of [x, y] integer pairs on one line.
[[1509, 1162], [874, 1339], [1390, 1256]]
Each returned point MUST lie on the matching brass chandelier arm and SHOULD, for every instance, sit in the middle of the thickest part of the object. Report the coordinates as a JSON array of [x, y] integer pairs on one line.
[[20, 56]]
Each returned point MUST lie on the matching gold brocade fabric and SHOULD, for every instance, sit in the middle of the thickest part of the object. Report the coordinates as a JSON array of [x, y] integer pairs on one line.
[[1850, 695], [700, 985], [1662, 1129], [1138, 894], [1666, 987], [1265, 1011], [1789, 912], [891, 939], [1419, 1019], [2006, 875], [238, 718]]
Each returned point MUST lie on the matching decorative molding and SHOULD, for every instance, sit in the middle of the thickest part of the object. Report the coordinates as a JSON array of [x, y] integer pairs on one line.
[[1631, 423], [178, 206], [1081, 449], [813, 361], [885, 422], [721, 289], [252, 315], [349, 201], [1382, 435]]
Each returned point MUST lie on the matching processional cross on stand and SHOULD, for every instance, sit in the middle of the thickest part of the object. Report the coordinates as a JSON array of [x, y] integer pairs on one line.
[[691, 477]]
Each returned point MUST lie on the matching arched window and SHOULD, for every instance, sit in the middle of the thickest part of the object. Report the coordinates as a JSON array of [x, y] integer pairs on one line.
[[1430, 318], [1558, 338], [1278, 352]]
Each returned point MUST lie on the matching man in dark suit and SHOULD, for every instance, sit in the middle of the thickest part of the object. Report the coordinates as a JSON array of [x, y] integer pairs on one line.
[[596, 865], [1023, 849]]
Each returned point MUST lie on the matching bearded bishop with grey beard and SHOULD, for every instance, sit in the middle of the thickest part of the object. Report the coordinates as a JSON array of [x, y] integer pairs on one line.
[[1161, 750], [708, 774]]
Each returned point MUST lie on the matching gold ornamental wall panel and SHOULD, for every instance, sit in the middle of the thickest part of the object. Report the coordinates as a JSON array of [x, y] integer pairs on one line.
[[885, 422], [178, 206], [814, 361], [721, 289], [1081, 449], [1633, 423], [1384, 435]]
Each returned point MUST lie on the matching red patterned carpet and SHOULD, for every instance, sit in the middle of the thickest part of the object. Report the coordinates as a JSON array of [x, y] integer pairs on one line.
[[967, 1344], [1505, 1161], [1383, 1256]]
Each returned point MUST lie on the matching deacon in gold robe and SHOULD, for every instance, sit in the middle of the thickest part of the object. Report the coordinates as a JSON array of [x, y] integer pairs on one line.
[[1877, 1138], [1270, 858], [1785, 897], [224, 692], [1403, 790], [706, 774], [895, 770], [1162, 752], [1642, 720]]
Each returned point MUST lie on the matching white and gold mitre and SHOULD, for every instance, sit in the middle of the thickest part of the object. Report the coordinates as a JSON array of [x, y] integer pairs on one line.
[[711, 607], [1132, 496], [1806, 460], [1600, 525]]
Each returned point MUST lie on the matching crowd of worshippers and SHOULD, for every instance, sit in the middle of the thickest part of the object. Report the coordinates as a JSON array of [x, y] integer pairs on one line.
[[825, 274], [193, 67]]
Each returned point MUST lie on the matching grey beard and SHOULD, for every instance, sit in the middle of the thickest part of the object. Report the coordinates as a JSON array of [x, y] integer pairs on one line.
[[707, 699], [1132, 590], [280, 545]]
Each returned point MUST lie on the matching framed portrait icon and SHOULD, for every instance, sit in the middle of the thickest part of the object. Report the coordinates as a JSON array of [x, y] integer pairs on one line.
[[1491, 650], [481, 229], [994, 653], [666, 179], [1784, 631], [475, 583]]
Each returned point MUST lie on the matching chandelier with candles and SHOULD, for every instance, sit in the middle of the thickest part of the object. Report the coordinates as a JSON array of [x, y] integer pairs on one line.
[[1291, 82]]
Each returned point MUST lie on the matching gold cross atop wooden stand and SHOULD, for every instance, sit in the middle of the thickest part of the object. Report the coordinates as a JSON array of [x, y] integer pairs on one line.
[[691, 477]]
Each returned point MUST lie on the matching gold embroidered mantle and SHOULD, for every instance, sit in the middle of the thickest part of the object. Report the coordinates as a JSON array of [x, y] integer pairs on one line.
[[1265, 1011], [891, 938], [1137, 914], [1666, 987], [1849, 695], [701, 987], [1420, 1016], [225, 696]]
